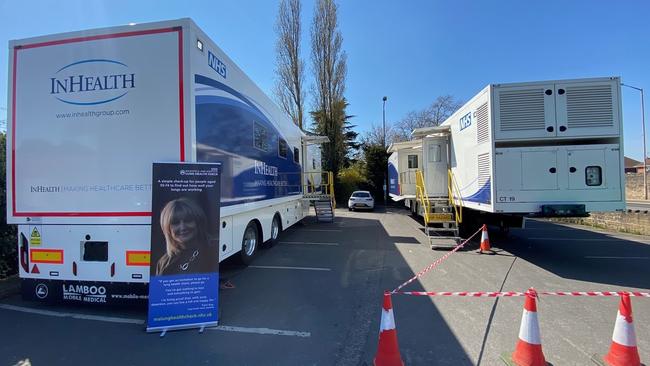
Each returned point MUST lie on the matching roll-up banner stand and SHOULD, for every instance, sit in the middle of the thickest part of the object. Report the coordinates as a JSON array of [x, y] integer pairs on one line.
[[184, 281]]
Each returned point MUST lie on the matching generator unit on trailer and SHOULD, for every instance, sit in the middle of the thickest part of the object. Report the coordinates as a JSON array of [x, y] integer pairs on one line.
[[90, 111], [550, 148]]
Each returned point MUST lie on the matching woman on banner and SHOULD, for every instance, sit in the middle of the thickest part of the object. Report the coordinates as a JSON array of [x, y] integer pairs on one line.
[[189, 248]]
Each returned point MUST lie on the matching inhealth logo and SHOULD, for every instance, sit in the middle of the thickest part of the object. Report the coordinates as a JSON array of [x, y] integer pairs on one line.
[[79, 83]]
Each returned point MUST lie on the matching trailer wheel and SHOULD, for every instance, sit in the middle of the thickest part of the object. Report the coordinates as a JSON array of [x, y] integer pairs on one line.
[[276, 229], [249, 243]]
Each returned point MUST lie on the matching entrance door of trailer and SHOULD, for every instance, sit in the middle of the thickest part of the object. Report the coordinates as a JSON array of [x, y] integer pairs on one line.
[[435, 162]]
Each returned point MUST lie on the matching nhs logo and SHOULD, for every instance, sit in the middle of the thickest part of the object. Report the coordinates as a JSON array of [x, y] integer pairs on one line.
[[465, 121], [216, 64]]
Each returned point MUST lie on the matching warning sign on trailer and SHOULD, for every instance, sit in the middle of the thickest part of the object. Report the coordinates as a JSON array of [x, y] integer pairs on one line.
[[35, 237]]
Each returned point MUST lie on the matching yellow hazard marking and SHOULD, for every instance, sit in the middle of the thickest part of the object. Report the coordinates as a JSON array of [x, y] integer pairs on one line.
[[35, 238], [46, 256], [138, 258], [440, 216]]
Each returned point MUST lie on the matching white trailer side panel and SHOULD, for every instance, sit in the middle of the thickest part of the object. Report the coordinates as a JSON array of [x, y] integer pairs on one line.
[[259, 147], [237, 125], [471, 152]]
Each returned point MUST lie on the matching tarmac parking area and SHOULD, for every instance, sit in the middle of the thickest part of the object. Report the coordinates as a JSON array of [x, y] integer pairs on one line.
[[315, 299]]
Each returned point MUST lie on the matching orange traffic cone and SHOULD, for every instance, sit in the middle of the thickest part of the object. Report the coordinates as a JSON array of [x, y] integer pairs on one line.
[[485, 242], [388, 349], [623, 351], [528, 351]]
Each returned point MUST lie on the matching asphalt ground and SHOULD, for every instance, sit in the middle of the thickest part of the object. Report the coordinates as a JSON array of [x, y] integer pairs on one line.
[[315, 299]]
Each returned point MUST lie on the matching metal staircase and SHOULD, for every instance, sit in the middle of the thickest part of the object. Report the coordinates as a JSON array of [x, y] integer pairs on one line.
[[321, 194], [324, 211], [442, 215]]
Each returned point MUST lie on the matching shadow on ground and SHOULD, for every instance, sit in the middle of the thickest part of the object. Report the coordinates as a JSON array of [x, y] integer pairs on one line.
[[339, 307], [581, 254]]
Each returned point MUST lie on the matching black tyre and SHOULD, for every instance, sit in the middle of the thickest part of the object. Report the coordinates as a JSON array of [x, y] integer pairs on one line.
[[249, 243], [276, 230]]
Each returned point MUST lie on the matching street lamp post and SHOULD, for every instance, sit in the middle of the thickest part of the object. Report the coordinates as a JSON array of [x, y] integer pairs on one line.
[[384, 120], [384, 99], [645, 163]]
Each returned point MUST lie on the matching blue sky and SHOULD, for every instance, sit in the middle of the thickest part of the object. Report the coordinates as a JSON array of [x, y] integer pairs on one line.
[[410, 51]]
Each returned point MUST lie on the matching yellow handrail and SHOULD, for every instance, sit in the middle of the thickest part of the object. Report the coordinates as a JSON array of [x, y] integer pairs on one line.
[[421, 195], [325, 186], [452, 185], [330, 177], [315, 182]]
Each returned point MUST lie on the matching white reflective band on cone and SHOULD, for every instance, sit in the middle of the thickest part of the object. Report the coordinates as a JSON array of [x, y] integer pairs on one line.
[[484, 236], [529, 330], [624, 332], [387, 320]]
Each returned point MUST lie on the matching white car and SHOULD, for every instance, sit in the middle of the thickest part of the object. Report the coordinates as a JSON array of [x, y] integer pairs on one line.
[[361, 199]]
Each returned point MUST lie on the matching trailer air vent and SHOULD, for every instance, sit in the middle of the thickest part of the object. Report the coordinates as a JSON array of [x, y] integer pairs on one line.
[[522, 110], [482, 124], [483, 169], [589, 106]]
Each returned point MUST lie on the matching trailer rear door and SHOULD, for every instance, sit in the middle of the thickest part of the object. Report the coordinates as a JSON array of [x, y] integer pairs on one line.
[[89, 115]]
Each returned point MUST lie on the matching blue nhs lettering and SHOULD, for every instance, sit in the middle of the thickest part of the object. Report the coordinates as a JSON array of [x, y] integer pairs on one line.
[[216, 64], [465, 121]]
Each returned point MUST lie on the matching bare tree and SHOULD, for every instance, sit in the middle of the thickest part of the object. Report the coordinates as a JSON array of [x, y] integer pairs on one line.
[[328, 58], [443, 107], [412, 120], [289, 67], [329, 67], [375, 135]]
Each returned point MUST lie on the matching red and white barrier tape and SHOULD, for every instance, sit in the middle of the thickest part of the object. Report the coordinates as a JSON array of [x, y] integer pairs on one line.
[[514, 293], [437, 262]]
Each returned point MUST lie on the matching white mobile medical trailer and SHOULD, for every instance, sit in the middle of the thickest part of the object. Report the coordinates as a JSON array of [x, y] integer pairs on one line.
[[90, 111], [550, 148]]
